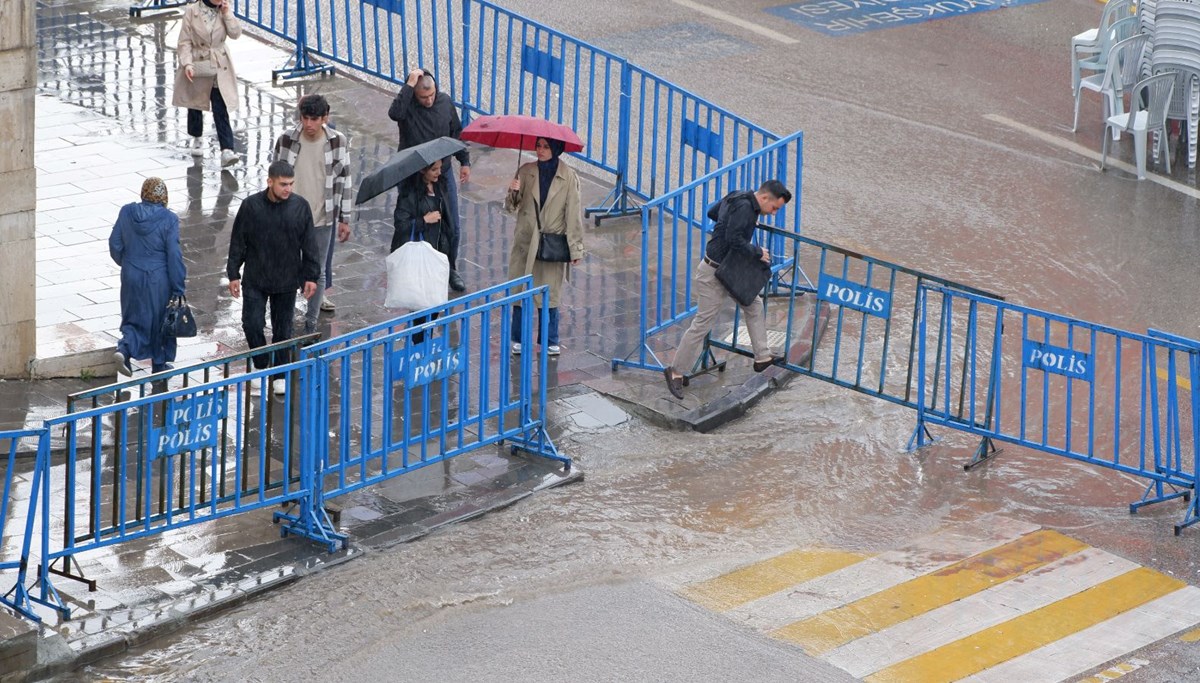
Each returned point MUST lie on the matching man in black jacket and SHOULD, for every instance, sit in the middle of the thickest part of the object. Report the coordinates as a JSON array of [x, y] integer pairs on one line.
[[273, 236], [736, 217], [422, 114]]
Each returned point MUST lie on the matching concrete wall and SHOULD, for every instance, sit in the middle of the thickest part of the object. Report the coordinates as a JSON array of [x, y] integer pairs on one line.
[[18, 185]]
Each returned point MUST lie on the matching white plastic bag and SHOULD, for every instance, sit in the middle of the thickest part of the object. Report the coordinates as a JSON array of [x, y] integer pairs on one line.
[[417, 276]]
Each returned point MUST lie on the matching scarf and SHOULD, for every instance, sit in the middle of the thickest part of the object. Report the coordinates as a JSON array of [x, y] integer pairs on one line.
[[547, 169], [154, 191]]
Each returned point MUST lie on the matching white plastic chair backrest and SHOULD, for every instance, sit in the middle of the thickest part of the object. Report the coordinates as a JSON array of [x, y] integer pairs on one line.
[[1182, 79], [1114, 11], [1119, 31], [1125, 63], [1156, 92]]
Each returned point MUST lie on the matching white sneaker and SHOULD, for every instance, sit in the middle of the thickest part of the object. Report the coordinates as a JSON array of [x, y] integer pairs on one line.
[[229, 157], [196, 147], [553, 350], [279, 386], [516, 348], [327, 305]]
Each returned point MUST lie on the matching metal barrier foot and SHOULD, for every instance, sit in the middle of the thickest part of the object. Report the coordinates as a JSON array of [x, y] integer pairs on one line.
[[618, 203], [69, 561], [985, 451], [1156, 493], [300, 65], [540, 445], [315, 527], [153, 6], [921, 437]]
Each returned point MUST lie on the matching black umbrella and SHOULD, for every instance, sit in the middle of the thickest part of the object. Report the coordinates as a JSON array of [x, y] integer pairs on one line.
[[403, 164]]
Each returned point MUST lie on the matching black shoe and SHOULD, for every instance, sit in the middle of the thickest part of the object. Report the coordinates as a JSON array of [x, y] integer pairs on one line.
[[456, 282], [760, 365], [674, 383]]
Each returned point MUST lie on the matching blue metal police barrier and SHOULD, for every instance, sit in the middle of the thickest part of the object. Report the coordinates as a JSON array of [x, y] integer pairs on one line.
[[22, 476], [514, 65], [1065, 387], [439, 385], [287, 19], [675, 229], [175, 459], [677, 138], [866, 306]]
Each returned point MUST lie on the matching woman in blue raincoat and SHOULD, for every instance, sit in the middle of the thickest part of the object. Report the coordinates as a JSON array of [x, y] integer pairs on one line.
[[145, 243]]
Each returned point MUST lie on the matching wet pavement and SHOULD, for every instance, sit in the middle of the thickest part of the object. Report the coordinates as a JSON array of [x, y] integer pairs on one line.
[[103, 125]]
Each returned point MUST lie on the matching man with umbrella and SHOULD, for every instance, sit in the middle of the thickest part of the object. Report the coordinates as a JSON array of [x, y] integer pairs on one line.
[[423, 114]]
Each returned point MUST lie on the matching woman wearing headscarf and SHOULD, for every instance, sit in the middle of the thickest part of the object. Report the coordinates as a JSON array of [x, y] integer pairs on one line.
[[202, 33], [545, 195], [145, 244]]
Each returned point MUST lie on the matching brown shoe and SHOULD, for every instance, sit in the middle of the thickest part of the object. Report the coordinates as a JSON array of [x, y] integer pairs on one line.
[[674, 383], [760, 365]]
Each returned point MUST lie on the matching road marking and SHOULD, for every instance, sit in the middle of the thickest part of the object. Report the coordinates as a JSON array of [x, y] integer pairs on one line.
[[948, 623], [834, 628], [1190, 636], [1091, 154], [926, 554], [736, 21], [1117, 671], [764, 578], [1181, 380], [1103, 642], [1028, 632]]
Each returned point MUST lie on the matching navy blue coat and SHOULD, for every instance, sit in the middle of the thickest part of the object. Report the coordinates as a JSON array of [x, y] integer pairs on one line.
[[145, 243]]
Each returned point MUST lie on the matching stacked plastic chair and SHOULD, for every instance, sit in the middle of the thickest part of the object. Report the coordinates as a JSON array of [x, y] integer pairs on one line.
[[1090, 48], [1176, 50], [1126, 62], [1147, 114]]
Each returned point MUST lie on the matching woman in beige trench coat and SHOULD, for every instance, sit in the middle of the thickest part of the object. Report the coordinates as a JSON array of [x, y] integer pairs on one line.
[[202, 33], [554, 188]]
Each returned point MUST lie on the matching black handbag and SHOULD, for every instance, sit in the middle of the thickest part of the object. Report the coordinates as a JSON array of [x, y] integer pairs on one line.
[[743, 275], [178, 321], [552, 246]]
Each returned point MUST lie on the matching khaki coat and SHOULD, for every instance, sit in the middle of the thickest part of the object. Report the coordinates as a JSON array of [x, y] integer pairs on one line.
[[561, 214], [197, 41]]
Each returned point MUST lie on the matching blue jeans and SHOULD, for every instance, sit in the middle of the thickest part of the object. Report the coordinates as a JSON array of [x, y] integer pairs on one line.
[[254, 312], [195, 121], [552, 324]]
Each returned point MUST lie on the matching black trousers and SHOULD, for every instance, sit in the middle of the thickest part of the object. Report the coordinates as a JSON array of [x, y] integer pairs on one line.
[[195, 120], [254, 313]]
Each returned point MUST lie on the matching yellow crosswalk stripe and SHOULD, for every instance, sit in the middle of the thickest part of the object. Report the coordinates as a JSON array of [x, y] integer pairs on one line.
[[828, 630], [1025, 633], [769, 576]]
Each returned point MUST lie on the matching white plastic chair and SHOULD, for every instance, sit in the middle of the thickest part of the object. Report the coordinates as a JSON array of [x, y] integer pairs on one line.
[[1147, 113], [1124, 70], [1097, 59], [1088, 42]]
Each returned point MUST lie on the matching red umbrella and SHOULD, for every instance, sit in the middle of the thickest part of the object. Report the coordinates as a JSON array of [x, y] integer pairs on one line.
[[517, 131]]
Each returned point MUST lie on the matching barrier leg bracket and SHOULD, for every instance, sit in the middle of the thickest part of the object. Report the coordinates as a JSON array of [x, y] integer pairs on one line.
[[300, 65], [69, 561], [984, 452], [619, 202], [316, 527], [1157, 492], [921, 437]]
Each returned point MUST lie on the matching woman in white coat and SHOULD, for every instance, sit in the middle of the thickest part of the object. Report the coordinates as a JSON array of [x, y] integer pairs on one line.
[[204, 77], [545, 196]]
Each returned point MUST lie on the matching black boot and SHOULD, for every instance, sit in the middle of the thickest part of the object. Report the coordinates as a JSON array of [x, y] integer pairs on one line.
[[456, 282]]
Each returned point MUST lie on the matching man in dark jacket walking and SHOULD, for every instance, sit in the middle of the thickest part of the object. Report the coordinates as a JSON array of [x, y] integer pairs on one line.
[[273, 236], [422, 114], [736, 217]]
